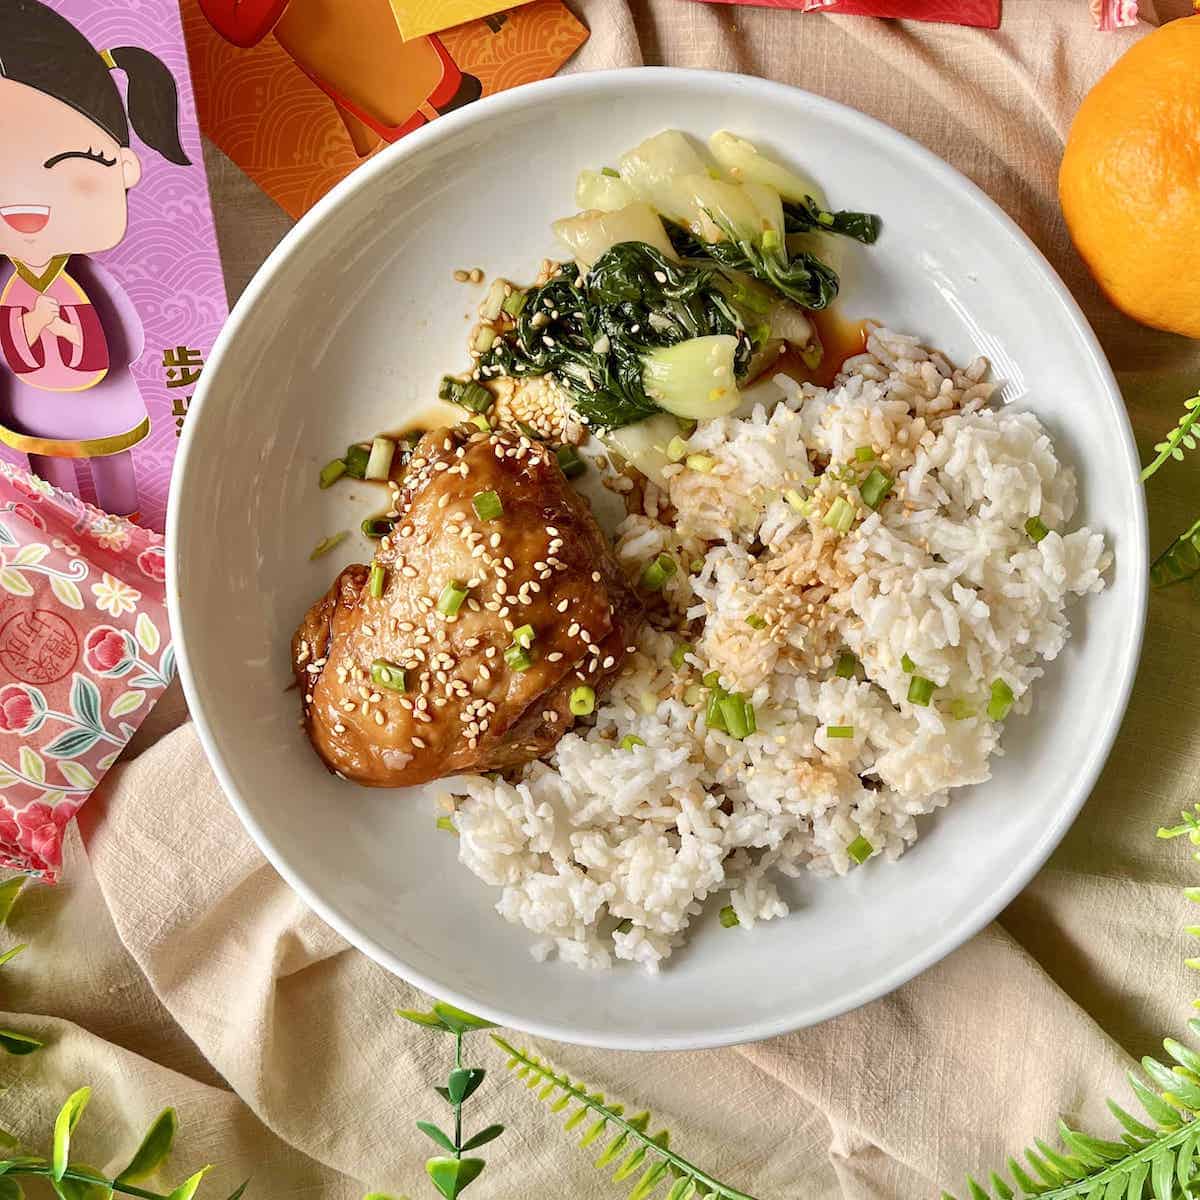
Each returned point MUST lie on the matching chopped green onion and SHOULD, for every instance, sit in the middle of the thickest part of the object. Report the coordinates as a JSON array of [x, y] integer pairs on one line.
[[487, 506], [697, 565], [326, 544], [728, 917], [686, 426], [377, 527], [797, 501], [860, 849], [481, 423], [1001, 700], [714, 718], [611, 172], [386, 674], [379, 461], [864, 454], [529, 431], [751, 718], [677, 449], [375, 581], [624, 926], [680, 653], [569, 462], [331, 472], [524, 637], [756, 622], [711, 679], [701, 462], [846, 664], [875, 487], [583, 701], [839, 731], [514, 304], [451, 599], [446, 825], [737, 717], [630, 740], [1036, 528], [960, 710], [840, 515], [466, 393], [356, 460], [907, 665], [920, 690], [658, 572], [693, 694], [826, 218], [518, 658]]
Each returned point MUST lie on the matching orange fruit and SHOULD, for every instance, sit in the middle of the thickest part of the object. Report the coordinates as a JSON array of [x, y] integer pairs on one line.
[[1130, 179]]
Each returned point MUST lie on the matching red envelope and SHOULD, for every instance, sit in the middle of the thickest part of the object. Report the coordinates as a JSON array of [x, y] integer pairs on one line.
[[983, 13]]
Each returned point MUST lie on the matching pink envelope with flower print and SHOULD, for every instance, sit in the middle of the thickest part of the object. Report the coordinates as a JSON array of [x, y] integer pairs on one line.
[[84, 652]]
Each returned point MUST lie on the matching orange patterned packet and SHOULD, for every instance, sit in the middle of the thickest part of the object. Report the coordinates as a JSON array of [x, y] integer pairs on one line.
[[298, 103]]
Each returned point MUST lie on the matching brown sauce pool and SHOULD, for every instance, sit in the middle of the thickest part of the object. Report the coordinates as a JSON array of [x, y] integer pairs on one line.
[[841, 337]]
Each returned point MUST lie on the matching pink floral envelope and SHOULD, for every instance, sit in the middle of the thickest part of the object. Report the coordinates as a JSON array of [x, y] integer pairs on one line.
[[85, 651]]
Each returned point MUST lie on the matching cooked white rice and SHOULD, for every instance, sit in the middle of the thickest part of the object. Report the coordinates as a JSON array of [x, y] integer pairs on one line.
[[607, 852]]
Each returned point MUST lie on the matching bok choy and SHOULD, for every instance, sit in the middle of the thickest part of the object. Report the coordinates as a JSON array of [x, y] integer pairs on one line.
[[598, 331]]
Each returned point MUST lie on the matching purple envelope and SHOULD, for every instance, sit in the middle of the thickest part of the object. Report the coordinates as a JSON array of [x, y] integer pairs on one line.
[[111, 292]]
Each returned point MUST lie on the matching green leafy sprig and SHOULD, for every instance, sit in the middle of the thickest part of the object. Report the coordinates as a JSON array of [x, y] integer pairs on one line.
[[76, 1181], [452, 1173], [1179, 439], [1180, 561], [647, 1152], [1157, 1157], [11, 1041]]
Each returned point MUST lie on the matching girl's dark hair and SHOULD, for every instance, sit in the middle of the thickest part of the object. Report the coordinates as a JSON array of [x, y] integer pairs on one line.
[[43, 50]]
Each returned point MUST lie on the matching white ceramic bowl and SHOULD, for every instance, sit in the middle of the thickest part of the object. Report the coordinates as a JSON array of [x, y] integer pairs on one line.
[[349, 325]]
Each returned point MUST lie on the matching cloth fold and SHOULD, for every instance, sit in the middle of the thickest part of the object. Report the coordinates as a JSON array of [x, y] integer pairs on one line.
[[173, 965]]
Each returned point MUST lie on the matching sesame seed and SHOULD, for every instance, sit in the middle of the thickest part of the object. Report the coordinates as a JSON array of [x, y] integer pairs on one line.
[[419, 743]]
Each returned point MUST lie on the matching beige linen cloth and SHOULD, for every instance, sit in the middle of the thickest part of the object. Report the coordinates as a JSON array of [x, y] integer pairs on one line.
[[174, 967]]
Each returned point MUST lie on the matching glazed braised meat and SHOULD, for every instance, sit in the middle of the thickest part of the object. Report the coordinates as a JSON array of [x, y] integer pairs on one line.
[[495, 597]]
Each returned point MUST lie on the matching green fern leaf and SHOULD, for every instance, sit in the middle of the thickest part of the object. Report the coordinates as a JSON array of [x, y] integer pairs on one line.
[[1139, 1132], [1050, 1177], [1023, 1181], [1163, 1115], [1091, 1150], [1002, 1190], [1137, 1181], [630, 1137], [1186, 1157], [1183, 1055], [650, 1179], [975, 1191], [1161, 1170], [1176, 1089]]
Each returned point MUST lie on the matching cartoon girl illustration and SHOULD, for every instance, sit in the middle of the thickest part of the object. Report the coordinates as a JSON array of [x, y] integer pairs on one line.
[[68, 334], [353, 51]]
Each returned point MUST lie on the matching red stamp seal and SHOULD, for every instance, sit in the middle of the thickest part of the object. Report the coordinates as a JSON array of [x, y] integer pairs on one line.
[[38, 647]]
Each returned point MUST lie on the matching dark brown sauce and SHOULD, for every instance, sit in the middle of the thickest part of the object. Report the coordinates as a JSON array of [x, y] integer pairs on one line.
[[841, 338]]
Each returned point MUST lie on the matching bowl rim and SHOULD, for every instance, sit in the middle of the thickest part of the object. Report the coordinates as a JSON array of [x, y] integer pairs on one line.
[[1134, 557]]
